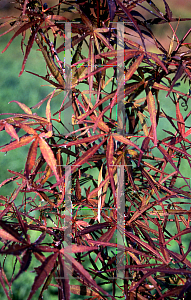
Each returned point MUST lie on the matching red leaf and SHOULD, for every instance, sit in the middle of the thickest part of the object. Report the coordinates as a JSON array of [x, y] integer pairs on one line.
[[21, 30], [159, 86], [25, 263], [178, 75], [84, 158], [86, 276], [28, 49], [11, 131], [181, 124], [42, 273], [64, 279], [169, 159], [17, 144], [7, 236], [157, 60], [134, 67], [31, 157], [144, 147], [27, 128], [109, 157], [9, 233], [84, 140], [48, 156], [126, 141]]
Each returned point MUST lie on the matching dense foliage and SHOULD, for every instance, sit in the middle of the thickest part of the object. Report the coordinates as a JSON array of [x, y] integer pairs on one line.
[[123, 152]]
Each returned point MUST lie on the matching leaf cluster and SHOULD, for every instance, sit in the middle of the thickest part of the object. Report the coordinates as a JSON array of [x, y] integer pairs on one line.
[[112, 167]]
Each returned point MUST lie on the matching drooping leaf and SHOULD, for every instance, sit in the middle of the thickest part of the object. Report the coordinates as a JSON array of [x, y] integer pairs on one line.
[[48, 156], [21, 30], [181, 124], [11, 131], [86, 276], [31, 157], [17, 144], [43, 272], [23, 106], [28, 49], [25, 263]]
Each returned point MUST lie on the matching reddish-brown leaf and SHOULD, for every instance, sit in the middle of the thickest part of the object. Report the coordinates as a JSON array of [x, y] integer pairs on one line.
[[42, 273], [17, 144], [126, 141], [28, 49], [27, 128], [48, 156], [81, 141], [8, 232], [181, 124], [21, 30], [169, 159], [86, 276], [31, 157], [7, 236], [110, 157], [11, 131], [159, 86], [25, 263], [84, 158], [64, 279], [134, 67], [132, 20]]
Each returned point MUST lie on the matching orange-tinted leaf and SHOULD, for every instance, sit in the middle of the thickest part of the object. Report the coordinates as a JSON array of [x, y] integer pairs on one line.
[[11, 131], [126, 141], [48, 111], [7, 236], [31, 157], [159, 86], [17, 144], [48, 156], [84, 140], [42, 273], [9, 233], [134, 67], [23, 106], [109, 157], [27, 128], [152, 112]]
